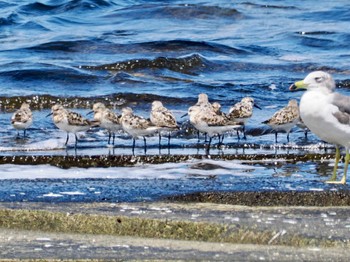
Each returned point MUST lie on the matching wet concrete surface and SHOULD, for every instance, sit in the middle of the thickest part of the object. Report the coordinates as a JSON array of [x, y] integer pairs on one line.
[[326, 229], [16, 244]]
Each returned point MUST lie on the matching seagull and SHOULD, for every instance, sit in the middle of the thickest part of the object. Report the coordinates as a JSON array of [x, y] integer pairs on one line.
[[162, 117], [22, 118], [242, 112], [107, 118], [327, 114], [284, 119]]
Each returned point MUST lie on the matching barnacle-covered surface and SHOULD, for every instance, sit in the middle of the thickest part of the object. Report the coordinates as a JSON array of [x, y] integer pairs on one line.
[[86, 161]]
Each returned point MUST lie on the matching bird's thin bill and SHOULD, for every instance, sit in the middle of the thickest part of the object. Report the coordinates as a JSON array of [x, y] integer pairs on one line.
[[184, 115], [49, 114], [255, 105]]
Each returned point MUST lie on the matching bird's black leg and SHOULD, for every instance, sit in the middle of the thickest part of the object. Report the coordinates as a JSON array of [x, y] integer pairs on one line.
[[67, 139], [288, 137], [24, 133], [244, 136], [276, 136], [76, 140], [109, 137], [133, 146], [160, 139], [238, 134], [113, 138], [208, 148], [144, 141], [198, 136], [169, 137]]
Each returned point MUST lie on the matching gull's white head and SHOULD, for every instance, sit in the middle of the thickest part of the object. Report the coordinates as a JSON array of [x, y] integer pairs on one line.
[[315, 80]]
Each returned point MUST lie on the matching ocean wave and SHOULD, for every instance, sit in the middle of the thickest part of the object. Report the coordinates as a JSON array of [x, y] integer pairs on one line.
[[171, 46], [187, 65], [116, 100], [39, 8], [179, 12], [48, 73], [269, 6], [10, 20]]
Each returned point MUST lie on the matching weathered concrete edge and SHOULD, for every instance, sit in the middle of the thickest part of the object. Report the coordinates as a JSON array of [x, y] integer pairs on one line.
[[82, 223]]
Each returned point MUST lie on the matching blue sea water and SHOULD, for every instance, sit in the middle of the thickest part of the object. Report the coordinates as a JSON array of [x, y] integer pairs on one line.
[[132, 52]]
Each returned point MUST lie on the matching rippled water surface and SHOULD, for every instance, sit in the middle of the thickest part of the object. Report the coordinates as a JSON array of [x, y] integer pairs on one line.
[[129, 53]]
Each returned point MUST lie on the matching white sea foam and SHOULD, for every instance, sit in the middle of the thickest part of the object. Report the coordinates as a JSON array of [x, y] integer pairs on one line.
[[147, 171]]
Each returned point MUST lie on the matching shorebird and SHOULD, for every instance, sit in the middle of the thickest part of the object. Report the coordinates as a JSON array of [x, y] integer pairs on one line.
[[22, 119], [242, 112], [107, 119], [217, 110], [204, 105], [162, 117], [137, 126], [70, 122], [284, 119], [327, 114], [209, 122]]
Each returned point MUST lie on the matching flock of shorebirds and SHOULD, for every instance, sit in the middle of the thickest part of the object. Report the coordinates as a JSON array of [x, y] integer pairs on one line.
[[204, 116], [322, 111]]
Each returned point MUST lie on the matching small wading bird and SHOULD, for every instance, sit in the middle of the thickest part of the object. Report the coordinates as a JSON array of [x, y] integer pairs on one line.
[[207, 121], [242, 112], [137, 126], [22, 119], [327, 114], [70, 122], [163, 118], [203, 104], [107, 119], [284, 119]]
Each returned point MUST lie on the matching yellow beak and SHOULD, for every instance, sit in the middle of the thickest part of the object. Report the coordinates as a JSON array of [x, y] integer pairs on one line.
[[298, 85]]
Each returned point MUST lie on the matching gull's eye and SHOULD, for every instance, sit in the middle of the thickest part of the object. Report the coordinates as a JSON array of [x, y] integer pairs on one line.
[[318, 79]]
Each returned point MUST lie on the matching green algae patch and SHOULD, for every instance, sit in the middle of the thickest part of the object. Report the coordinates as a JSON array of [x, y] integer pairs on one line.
[[39, 220]]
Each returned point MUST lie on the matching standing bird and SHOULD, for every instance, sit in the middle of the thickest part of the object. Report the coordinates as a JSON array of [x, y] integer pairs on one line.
[[22, 119], [284, 119], [217, 110], [107, 119], [327, 114], [162, 117], [209, 122], [71, 122], [242, 112], [203, 105], [137, 126]]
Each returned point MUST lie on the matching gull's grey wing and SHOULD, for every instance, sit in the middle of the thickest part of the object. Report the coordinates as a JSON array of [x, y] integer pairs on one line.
[[343, 104]]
